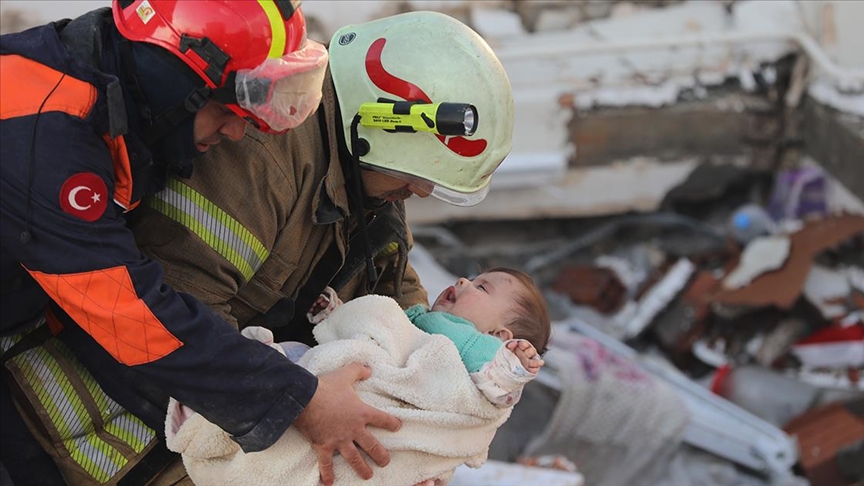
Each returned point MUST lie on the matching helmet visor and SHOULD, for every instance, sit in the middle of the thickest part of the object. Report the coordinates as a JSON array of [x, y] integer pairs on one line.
[[450, 196], [282, 92]]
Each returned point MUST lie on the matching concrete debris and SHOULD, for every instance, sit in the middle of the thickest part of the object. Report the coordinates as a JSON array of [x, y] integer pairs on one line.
[[774, 397], [832, 347], [679, 328], [828, 94], [715, 425], [763, 306], [710, 182], [824, 432], [762, 255], [773, 329], [593, 286], [783, 287], [659, 296], [856, 280], [770, 344], [778, 341], [712, 354], [594, 421], [828, 289]]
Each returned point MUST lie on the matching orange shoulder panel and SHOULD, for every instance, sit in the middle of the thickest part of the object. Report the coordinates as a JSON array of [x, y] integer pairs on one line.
[[122, 172], [25, 83], [105, 305]]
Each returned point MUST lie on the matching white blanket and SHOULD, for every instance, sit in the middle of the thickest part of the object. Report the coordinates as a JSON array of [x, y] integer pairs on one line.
[[416, 377]]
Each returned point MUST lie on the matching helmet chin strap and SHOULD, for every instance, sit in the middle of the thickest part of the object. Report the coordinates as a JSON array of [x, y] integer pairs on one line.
[[157, 126], [166, 121], [357, 196]]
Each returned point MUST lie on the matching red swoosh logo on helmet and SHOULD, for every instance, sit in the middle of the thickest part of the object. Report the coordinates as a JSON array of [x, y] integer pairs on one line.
[[411, 92]]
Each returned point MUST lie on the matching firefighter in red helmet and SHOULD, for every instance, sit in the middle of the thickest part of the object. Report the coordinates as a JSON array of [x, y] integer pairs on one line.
[[96, 113]]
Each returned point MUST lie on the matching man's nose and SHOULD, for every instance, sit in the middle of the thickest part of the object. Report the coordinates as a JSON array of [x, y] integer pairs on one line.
[[234, 128]]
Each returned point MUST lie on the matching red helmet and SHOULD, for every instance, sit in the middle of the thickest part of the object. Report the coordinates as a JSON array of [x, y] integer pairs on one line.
[[253, 54]]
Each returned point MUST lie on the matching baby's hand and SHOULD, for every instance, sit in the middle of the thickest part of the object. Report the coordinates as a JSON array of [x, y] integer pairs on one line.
[[320, 304], [527, 355], [323, 306]]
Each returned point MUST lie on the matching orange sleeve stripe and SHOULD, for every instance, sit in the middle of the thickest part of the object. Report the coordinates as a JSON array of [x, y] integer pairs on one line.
[[25, 83], [105, 305], [122, 172]]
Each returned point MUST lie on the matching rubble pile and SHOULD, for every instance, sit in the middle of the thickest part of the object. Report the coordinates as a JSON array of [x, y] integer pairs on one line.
[[718, 341], [769, 315]]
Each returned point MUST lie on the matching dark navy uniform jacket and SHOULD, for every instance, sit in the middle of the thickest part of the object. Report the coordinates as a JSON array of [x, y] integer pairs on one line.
[[69, 174]]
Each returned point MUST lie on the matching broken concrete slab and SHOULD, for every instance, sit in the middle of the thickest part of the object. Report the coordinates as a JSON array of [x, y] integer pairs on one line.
[[721, 124], [782, 288]]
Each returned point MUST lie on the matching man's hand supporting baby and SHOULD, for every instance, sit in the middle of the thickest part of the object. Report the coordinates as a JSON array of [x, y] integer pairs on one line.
[[335, 420]]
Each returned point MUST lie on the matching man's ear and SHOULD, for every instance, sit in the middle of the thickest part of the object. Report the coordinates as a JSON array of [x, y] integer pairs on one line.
[[503, 334]]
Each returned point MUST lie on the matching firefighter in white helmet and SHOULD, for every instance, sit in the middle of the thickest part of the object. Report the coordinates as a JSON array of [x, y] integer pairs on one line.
[[424, 59], [415, 103]]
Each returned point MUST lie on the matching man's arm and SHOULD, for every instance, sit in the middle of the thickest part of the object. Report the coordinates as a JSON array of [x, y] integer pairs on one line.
[[117, 301]]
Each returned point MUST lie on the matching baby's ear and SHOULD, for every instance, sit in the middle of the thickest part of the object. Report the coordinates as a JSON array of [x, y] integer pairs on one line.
[[503, 334]]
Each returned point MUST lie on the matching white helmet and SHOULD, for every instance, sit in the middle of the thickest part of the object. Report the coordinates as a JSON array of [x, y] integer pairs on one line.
[[440, 66]]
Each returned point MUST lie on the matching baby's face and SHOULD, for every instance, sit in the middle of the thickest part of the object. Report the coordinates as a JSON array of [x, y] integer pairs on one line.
[[486, 301]]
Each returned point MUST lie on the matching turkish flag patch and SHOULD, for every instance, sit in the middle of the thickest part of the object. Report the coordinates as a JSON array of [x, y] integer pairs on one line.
[[85, 196]]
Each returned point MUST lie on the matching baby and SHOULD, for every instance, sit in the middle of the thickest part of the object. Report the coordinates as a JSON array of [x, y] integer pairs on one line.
[[491, 326], [497, 321]]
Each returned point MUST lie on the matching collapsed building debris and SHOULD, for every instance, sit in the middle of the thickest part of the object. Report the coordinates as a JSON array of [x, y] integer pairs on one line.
[[750, 357], [698, 244], [830, 439], [782, 288]]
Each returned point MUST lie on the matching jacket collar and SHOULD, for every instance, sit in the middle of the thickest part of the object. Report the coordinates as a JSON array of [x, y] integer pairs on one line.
[[331, 199]]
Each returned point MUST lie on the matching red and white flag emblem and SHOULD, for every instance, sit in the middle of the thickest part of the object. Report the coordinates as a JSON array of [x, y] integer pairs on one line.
[[84, 195]]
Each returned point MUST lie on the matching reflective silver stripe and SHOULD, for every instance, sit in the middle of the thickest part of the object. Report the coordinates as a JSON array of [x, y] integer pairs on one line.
[[67, 415], [137, 435], [68, 407], [117, 421], [213, 225], [8, 341]]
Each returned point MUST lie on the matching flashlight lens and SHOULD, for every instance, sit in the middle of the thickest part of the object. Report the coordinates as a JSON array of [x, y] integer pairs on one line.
[[457, 119], [470, 121]]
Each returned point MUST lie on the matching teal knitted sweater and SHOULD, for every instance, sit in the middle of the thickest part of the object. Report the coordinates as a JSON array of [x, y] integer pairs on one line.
[[475, 348]]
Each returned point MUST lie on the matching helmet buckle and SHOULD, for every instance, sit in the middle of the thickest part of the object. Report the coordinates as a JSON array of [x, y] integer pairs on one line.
[[197, 99], [210, 53]]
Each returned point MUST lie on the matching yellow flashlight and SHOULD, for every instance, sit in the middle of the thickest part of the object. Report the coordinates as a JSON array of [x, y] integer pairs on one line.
[[414, 116]]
